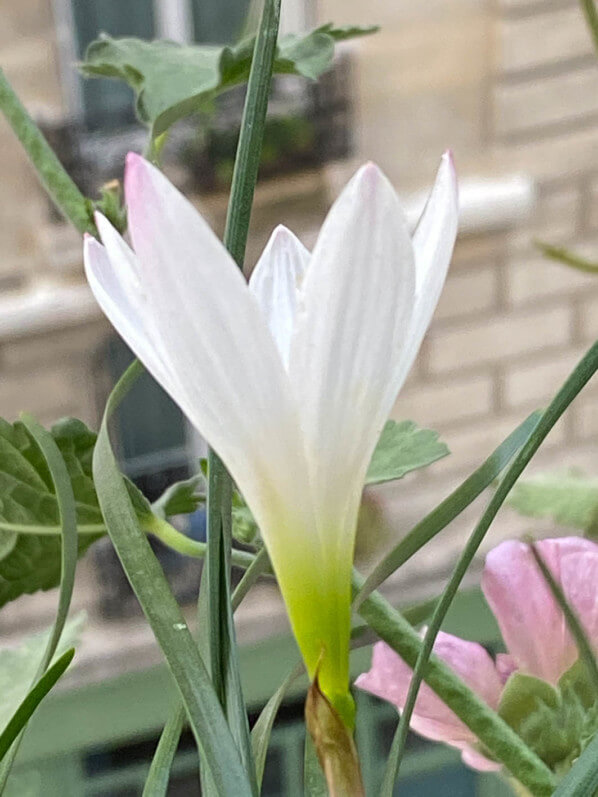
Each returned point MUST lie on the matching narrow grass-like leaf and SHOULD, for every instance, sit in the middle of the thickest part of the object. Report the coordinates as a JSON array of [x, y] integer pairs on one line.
[[565, 256], [496, 736], [51, 173], [591, 15], [450, 508], [67, 511], [259, 566], [23, 714], [68, 519], [582, 778], [314, 782], [580, 376], [156, 783], [222, 646], [575, 627], [145, 575], [260, 733]]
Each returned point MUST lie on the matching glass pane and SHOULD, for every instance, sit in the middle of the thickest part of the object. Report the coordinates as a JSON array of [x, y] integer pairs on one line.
[[108, 104], [218, 21], [151, 430]]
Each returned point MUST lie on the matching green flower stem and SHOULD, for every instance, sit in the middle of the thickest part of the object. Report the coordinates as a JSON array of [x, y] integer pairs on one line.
[[52, 175], [222, 652], [180, 543], [580, 376], [501, 741]]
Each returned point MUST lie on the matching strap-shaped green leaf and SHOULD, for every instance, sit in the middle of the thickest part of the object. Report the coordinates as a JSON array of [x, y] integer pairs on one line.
[[203, 709], [24, 712], [452, 506], [59, 477], [584, 647], [156, 783], [496, 736], [576, 381], [262, 729]]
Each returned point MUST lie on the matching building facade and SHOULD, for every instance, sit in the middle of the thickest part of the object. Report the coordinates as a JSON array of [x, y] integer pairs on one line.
[[511, 86]]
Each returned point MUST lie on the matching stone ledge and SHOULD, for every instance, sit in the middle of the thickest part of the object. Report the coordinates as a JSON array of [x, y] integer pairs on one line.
[[486, 205]]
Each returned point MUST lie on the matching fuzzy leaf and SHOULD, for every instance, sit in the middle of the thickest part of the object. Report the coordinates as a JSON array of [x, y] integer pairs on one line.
[[549, 722], [403, 447], [31, 561], [567, 497], [173, 81]]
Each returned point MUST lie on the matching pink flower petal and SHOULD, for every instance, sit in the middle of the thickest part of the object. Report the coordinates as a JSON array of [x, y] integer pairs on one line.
[[476, 760], [505, 666], [532, 625], [579, 578], [390, 677]]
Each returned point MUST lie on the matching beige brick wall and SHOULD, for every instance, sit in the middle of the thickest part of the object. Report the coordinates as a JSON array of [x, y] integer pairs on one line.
[[512, 87]]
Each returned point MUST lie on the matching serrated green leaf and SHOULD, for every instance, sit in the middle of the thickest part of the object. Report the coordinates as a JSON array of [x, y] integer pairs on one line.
[[18, 666], [173, 81], [29, 561], [402, 448], [30, 543], [565, 496], [452, 506]]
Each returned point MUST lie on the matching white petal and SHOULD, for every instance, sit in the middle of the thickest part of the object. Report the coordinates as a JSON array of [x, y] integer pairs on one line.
[[433, 243], [236, 391], [353, 317], [275, 281], [122, 304]]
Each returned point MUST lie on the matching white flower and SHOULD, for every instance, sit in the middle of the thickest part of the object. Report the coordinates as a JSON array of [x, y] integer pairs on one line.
[[291, 378]]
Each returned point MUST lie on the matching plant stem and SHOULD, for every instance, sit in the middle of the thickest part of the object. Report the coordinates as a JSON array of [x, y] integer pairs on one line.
[[51, 173], [219, 522], [580, 376]]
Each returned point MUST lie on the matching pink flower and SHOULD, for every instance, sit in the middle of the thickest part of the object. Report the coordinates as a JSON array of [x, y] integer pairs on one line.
[[533, 628]]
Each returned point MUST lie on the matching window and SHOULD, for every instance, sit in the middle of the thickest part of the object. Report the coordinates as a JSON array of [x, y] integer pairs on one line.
[[102, 105], [156, 447], [108, 104]]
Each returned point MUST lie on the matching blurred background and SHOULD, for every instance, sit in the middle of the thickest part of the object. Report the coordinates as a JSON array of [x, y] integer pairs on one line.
[[511, 86]]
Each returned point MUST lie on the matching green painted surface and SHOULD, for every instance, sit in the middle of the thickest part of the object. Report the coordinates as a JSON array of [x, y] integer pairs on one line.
[[99, 740]]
